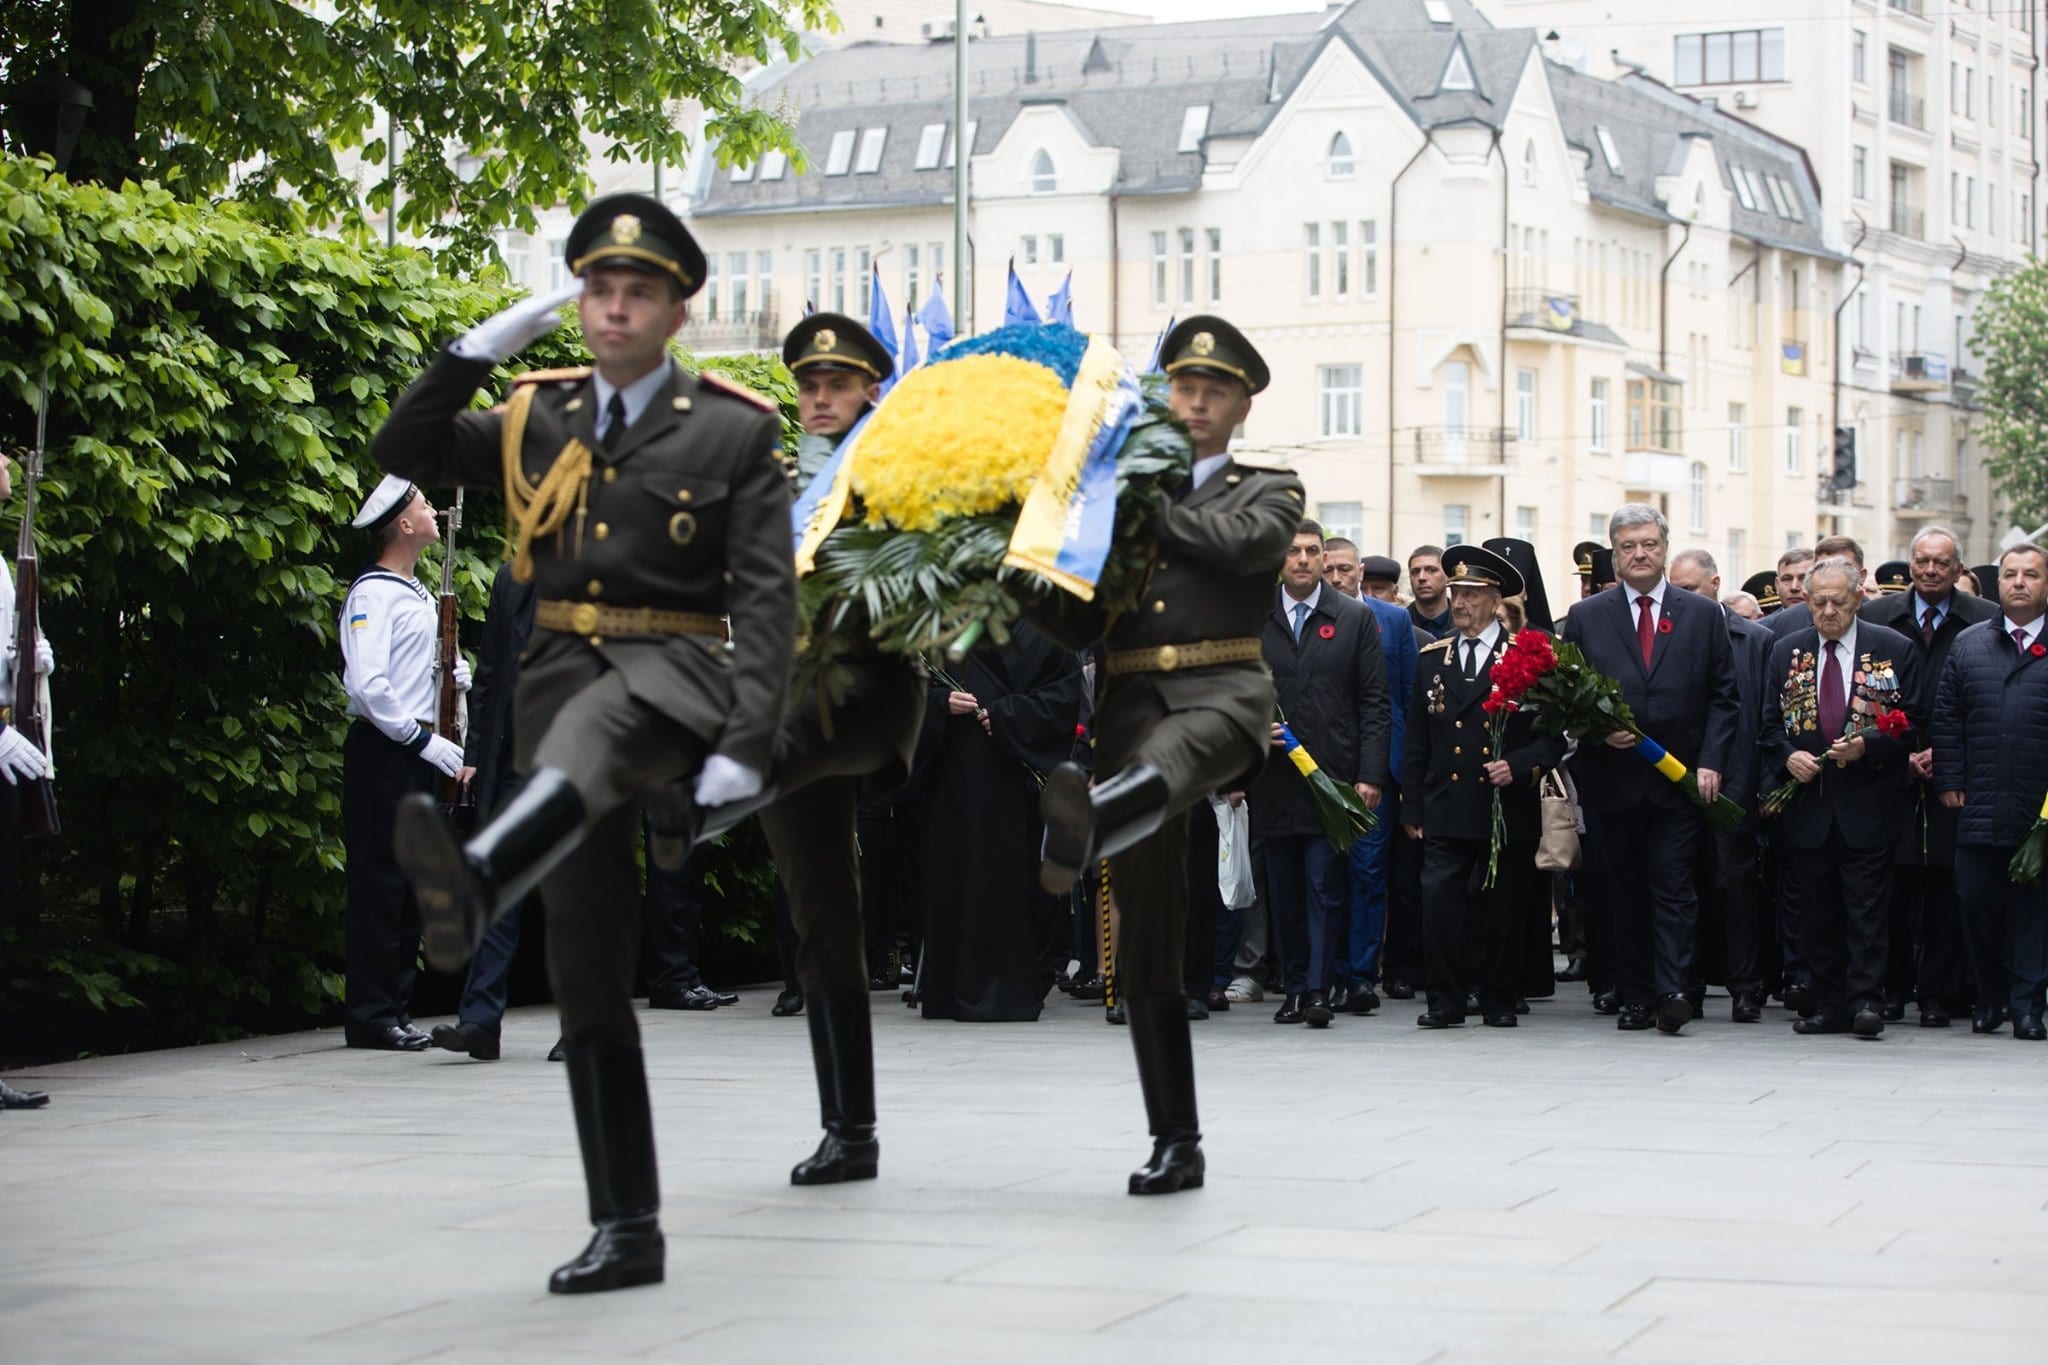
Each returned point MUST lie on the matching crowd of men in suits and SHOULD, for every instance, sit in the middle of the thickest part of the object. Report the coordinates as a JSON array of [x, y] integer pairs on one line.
[[1883, 736]]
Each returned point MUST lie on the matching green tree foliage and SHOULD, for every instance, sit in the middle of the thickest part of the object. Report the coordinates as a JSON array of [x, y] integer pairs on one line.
[[214, 384], [255, 97], [2012, 341]]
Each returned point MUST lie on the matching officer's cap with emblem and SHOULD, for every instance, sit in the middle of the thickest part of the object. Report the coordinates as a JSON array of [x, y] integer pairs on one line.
[[1763, 586], [1582, 557], [1209, 345], [833, 341], [1380, 569], [1475, 566], [637, 232], [1893, 576], [387, 501]]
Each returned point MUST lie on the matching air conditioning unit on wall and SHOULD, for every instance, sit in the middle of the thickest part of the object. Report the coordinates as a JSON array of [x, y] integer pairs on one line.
[[1745, 99]]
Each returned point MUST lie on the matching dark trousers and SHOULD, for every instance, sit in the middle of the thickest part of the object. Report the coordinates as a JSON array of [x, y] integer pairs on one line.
[[886, 872], [1793, 968], [383, 924], [1401, 942], [1927, 936], [1471, 941], [487, 988], [1366, 898], [675, 916], [1596, 911], [1650, 854], [1737, 880], [811, 832], [10, 847], [1205, 901], [1844, 898], [2005, 928], [1306, 877]]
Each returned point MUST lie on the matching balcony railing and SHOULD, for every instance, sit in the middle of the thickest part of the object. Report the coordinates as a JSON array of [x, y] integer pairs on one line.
[[1916, 8], [1909, 222], [1543, 308], [746, 332], [1909, 110], [1474, 451], [1918, 493], [1921, 372]]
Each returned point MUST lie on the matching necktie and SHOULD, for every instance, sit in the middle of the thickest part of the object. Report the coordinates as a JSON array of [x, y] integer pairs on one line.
[[2019, 638], [1300, 616], [1471, 660], [1927, 628], [1646, 630], [1834, 707], [614, 422]]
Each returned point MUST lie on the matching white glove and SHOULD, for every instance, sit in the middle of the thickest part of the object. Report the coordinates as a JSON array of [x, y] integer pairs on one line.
[[46, 660], [461, 674], [517, 327], [444, 754], [21, 760], [724, 780]]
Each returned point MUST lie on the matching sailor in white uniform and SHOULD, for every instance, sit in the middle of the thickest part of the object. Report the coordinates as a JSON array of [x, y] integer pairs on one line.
[[21, 760], [389, 647]]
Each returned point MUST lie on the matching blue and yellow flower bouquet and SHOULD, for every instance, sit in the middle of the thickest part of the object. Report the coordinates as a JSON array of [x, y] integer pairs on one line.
[[1014, 476]]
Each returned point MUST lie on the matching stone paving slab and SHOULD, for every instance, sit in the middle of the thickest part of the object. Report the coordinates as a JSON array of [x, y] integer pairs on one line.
[[1559, 1192]]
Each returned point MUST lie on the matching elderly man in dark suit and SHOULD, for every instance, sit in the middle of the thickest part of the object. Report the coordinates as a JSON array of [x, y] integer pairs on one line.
[[1828, 691], [1330, 679], [1926, 927], [1991, 763], [1669, 651], [1733, 867]]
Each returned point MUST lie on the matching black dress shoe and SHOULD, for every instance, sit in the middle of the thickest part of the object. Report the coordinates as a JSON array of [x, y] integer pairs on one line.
[[623, 1252], [1674, 1012], [478, 1041], [1219, 999], [725, 998], [787, 1003], [1176, 1164], [1932, 1015], [1289, 1011], [1868, 1021], [1502, 1019], [391, 1038], [1521, 1005], [1471, 1002], [1799, 998], [1115, 1014], [2028, 1028], [10, 1098], [1340, 998], [1400, 990], [1746, 1009], [1987, 1019], [1198, 1008], [1438, 1019], [1635, 1018], [555, 1053], [615, 1129], [1364, 1000], [1894, 1009], [1574, 970], [1091, 989], [1699, 1005], [1821, 1021], [1607, 1002], [1316, 1011], [697, 997]]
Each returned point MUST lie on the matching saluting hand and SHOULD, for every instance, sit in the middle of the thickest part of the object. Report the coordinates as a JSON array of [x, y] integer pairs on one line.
[[517, 327]]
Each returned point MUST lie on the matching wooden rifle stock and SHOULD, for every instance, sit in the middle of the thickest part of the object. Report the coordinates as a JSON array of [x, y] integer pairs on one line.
[[449, 703], [38, 798]]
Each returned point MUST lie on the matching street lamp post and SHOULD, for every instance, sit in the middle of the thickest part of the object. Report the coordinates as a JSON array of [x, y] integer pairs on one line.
[[963, 288]]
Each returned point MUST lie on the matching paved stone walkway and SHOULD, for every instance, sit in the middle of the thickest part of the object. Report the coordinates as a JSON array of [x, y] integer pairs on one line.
[[1560, 1192]]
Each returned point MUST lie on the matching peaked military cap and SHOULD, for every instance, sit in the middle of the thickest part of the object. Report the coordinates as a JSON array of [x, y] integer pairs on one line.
[[1209, 345], [1893, 576], [833, 341], [1380, 568], [386, 502], [637, 232], [1522, 555], [1987, 580], [1763, 586], [1582, 557], [1475, 566]]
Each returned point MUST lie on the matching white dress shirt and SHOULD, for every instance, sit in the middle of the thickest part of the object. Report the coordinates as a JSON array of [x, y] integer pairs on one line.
[[390, 641], [636, 395], [1207, 466], [2033, 630], [1489, 640]]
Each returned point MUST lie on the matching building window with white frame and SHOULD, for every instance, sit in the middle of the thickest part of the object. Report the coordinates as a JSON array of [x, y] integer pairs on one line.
[[710, 286], [1859, 57], [1215, 238], [872, 140], [1696, 498], [736, 275], [1859, 179], [1794, 419], [1525, 405], [1525, 524], [931, 141], [1341, 401], [866, 277], [1730, 58], [1738, 550], [1056, 248], [1596, 424], [913, 275], [1369, 259], [1044, 178], [1027, 247], [1457, 523], [1342, 165], [1187, 265], [1342, 520], [1159, 270], [764, 280], [1529, 176], [1340, 260], [838, 279], [814, 276], [1312, 250], [1738, 437], [839, 160]]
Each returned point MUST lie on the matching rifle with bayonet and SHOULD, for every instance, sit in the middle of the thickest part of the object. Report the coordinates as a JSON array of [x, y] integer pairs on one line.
[[457, 801], [39, 797]]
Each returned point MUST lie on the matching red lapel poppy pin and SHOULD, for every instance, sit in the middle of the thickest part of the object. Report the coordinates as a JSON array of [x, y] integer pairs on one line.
[[1330, 632], [1664, 626], [2037, 649]]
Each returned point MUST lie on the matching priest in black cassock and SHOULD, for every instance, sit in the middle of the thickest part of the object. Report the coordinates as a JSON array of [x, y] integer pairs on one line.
[[993, 724]]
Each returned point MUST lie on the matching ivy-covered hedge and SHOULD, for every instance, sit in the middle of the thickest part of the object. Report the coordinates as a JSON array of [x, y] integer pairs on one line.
[[213, 388]]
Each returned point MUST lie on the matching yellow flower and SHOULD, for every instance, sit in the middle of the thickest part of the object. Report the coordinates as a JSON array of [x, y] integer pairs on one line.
[[956, 439]]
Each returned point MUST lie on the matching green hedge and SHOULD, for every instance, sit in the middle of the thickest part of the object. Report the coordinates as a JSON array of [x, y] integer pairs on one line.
[[214, 386]]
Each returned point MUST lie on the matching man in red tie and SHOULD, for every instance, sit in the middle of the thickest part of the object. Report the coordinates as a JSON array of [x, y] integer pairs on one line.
[[1827, 691], [1669, 651]]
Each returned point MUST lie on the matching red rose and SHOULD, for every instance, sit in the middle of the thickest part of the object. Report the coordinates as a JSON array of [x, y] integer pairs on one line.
[[1892, 723], [1664, 626], [1327, 632], [1492, 704]]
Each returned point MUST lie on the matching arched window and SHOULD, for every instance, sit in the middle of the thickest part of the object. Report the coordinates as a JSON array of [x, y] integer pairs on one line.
[[1529, 162], [1044, 179], [1342, 163]]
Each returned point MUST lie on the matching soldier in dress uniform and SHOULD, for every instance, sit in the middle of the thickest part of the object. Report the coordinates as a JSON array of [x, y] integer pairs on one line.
[[1893, 577], [1763, 586], [1187, 709], [390, 643], [649, 508], [1450, 773], [869, 731]]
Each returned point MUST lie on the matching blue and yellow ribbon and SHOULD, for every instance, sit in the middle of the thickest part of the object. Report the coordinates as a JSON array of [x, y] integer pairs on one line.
[[823, 502], [1304, 762], [1654, 754], [1068, 519]]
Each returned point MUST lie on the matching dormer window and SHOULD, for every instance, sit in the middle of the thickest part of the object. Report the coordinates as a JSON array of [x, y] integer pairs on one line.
[[1343, 165], [1457, 72], [840, 159], [930, 142], [1438, 11], [1606, 140], [774, 164], [871, 143], [1194, 126], [1044, 178]]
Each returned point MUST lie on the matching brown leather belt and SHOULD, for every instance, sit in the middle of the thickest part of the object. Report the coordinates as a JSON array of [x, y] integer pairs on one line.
[[588, 618], [1199, 654]]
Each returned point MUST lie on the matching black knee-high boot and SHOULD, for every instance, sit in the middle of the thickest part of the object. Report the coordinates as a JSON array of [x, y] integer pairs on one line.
[[1166, 1073], [843, 1050], [608, 1087], [1083, 825]]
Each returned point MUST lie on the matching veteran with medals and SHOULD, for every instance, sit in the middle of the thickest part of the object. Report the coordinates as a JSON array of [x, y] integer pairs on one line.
[[1186, 710], [649, 509]]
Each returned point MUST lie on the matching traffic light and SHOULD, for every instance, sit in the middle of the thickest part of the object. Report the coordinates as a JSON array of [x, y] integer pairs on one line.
[[1843, 477]]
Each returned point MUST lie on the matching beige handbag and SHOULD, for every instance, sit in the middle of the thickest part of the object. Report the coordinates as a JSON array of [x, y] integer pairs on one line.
[[1557, 849]]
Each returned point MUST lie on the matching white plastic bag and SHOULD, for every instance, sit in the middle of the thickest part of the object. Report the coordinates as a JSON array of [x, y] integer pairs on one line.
[[1234, 853]]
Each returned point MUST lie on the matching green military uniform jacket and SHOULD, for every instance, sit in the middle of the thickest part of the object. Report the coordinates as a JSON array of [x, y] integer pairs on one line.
[[1450, 741], [689, 513]]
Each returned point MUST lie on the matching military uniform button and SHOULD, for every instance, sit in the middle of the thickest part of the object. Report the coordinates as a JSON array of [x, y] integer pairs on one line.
[[1457, 749], [1457, 725], [1454, 777], [601, 530], [593, 588], [1158, 606], [1162, 564], [611, 475], [596, 640]]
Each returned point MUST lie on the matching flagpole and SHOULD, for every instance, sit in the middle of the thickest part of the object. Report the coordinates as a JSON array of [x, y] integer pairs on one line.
[[962, 149]]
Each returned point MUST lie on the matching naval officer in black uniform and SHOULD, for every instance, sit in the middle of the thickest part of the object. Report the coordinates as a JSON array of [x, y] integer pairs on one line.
[[1187, 710], [649, 509]]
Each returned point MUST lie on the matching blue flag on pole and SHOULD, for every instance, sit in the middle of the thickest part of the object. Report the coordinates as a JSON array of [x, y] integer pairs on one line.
[[1152, 365], [1018, 309], [883, 325], [907, 361], [937, 319], [1060, 307]]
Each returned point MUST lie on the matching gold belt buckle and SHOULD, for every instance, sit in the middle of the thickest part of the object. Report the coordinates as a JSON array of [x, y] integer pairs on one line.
[[1169, 658], [583, 618]]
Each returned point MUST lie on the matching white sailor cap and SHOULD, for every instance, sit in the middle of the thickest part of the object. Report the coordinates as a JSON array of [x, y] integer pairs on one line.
[[387, 500]]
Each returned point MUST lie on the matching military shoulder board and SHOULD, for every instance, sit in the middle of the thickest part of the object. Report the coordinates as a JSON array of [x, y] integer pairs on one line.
[[718, 383]]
